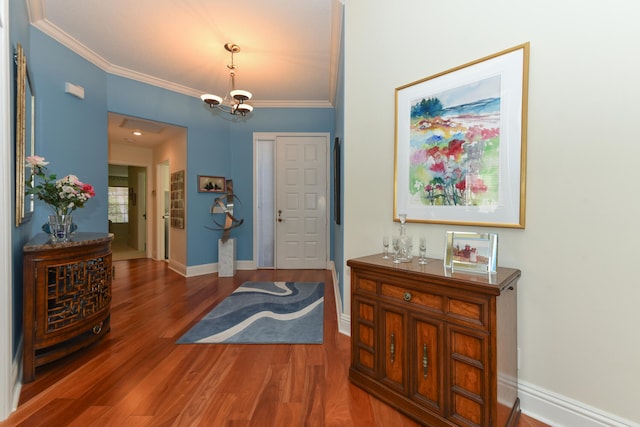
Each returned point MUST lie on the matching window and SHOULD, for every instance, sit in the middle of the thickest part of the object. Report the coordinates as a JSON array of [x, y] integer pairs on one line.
[[119, 204]]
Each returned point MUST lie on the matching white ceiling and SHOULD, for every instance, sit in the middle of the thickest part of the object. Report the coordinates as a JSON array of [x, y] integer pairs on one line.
[[289, 48]]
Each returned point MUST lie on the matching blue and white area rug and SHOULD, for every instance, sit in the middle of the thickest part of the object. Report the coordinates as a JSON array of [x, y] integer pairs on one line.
[[264, 313]]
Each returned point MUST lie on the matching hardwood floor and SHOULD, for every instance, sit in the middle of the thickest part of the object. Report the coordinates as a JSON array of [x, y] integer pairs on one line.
[[138, 376]]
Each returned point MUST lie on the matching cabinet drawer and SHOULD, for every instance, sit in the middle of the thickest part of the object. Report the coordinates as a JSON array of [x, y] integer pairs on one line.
[[427, 300], [474, 311], [467, 310], [367, 285]]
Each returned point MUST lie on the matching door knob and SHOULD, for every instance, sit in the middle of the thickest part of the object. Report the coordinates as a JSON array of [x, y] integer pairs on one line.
[[280, 215]]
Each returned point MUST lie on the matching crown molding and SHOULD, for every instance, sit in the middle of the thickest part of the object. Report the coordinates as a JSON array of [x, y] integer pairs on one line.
[[36, 16], [291, 104], [36, 11]]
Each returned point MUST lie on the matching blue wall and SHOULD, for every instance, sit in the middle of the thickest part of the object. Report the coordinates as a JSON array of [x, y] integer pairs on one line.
[[71, 133], [215, 146]]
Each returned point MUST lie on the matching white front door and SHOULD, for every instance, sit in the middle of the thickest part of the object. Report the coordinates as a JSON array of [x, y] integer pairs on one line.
[[301, 202]]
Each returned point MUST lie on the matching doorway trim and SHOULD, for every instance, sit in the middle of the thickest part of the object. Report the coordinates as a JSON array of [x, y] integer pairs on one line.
[[272, 136], [162, 178]]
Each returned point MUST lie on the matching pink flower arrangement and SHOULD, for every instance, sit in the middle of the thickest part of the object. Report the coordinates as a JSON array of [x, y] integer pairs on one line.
[[63, 195]]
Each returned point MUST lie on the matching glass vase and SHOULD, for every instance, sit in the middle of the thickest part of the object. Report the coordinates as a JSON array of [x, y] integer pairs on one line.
[[60, 228]]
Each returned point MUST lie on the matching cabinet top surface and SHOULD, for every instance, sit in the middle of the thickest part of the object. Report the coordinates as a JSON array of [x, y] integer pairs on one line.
[[435, 269], [42, 242]]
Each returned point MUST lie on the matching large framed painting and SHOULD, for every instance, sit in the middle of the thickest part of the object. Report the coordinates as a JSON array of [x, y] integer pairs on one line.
[[25, 135], [460, 144]]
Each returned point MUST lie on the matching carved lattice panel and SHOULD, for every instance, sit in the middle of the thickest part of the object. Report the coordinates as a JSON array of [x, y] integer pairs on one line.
[[77, 291]]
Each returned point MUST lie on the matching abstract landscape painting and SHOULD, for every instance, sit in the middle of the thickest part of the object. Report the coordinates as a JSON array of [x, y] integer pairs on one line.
[[455, 144]]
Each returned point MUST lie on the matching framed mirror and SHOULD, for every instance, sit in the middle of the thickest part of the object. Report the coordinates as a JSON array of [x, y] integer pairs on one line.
[[25, 135]]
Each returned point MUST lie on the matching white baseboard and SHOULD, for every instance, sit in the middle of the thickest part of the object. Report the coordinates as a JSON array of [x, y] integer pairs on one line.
[[561, 411], [16, 375], [344, 324], [178, 267], [202, 269], [344, 321]]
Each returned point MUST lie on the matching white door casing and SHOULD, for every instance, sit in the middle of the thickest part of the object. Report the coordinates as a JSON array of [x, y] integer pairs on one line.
[[7, 380]]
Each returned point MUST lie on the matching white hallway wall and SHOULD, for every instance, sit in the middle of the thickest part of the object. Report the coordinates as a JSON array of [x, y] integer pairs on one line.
[[579, 293]]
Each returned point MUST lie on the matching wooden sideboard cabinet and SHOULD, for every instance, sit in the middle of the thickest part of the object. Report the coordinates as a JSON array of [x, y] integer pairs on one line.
[[439, 346], [67, 296]]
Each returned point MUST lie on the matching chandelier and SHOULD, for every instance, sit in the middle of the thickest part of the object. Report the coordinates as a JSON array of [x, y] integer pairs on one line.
[[234, 101]]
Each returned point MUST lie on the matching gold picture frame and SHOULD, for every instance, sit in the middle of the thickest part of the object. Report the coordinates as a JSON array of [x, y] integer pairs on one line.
[[460, 144], [25, 135]]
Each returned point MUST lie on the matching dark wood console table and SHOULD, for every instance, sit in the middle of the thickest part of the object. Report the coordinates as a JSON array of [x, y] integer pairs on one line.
[[437, 345], [67, 296]]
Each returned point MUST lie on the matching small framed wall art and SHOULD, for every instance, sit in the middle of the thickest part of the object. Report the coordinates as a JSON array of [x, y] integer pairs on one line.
[[476, 252], [177, 199], [211, 184]]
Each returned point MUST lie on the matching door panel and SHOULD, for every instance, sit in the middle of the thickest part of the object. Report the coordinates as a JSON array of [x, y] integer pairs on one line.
[[428, 386], [301, 198], [393, 348]]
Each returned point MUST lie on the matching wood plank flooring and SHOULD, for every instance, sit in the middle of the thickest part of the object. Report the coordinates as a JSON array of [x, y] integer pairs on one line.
[[137, 376]]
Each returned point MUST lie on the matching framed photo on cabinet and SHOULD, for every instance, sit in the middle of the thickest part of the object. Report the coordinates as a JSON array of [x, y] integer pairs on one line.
[[475, 252]]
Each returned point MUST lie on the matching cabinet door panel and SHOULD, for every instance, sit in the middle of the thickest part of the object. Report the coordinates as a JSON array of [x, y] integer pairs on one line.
[[469, 375], [467, 411], [363, 335], [393, 349], [426, 378]]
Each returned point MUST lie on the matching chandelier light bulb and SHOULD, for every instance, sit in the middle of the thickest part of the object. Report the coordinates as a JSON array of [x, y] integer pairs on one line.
[[244, 108], [212, 100], [240, 95]]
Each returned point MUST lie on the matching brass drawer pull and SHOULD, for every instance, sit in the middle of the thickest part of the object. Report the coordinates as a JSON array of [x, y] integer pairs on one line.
[[392, 348], [407, 296], [425, 361], [97, 329]]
